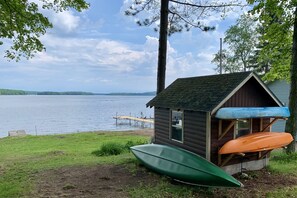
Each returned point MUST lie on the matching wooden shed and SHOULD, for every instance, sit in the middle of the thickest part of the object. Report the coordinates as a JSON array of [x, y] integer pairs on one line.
[[185, 116]]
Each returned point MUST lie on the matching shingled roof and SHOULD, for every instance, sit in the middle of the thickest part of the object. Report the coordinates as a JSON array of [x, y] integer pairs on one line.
[[203, 93]]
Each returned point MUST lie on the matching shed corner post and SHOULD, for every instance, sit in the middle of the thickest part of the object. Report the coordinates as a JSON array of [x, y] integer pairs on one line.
[[208, 136], [153, 140]]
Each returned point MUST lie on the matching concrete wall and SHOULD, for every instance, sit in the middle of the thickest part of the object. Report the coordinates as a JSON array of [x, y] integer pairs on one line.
[[246, 166]]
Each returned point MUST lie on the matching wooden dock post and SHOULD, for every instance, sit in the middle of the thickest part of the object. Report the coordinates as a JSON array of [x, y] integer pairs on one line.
[[130, 119], [116, 117]]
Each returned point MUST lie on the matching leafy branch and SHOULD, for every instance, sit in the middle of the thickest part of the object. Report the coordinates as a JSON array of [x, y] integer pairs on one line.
[[23, 24]]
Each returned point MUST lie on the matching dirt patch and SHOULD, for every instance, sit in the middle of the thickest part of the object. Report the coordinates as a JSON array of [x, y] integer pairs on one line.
[[97, 181], [113, 181], [258, 183]]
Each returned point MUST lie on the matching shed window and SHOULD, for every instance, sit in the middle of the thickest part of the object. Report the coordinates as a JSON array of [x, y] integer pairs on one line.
[[177, 126], [243, 127]]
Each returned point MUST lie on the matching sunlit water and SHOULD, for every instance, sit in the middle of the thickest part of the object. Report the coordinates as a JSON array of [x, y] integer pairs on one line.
[[40, 115]]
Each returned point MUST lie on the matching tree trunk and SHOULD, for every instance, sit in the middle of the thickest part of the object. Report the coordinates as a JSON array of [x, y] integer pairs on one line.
[[292, 121], [162, 46]]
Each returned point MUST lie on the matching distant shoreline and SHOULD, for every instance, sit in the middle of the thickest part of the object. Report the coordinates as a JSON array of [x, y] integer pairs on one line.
[[22, 92]]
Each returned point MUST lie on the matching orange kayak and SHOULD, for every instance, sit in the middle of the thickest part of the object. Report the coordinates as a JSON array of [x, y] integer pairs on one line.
[[255, 142]]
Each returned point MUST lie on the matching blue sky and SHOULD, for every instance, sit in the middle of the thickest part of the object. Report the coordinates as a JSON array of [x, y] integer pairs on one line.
[[101, 50]]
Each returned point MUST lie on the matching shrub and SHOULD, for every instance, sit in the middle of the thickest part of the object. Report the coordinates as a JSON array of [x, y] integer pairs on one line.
[[110, 148], [113, 148], [133, 143]]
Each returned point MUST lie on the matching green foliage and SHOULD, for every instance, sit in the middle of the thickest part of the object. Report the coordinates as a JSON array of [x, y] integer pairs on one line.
[[279, 20], [134, 143], [62, 5], [22, 23], [265, 45], [281, 162], [11, 92], [115, 148], [110, 148], [241, 40], [21, 157], [229, 65], [285, 158], [276, 17], [64, 93]]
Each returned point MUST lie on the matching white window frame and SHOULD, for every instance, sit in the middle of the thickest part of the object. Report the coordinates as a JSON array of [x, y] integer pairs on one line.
[[236, 128], [180, 125]]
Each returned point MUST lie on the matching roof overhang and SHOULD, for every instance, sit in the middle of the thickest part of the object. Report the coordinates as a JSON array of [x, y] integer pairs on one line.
[[252, 75]]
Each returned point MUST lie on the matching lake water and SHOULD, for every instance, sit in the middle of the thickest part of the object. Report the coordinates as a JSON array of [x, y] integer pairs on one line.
[[41, 115]]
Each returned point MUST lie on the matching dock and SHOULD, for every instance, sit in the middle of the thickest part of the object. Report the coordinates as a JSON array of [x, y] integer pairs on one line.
[[130, 118]]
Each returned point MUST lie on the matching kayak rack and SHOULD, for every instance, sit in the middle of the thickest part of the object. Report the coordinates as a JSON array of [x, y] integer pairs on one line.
[[223, 133], [261, 155], [272, 122]]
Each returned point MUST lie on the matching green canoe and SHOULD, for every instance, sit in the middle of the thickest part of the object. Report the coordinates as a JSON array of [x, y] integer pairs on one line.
[[183, 165]]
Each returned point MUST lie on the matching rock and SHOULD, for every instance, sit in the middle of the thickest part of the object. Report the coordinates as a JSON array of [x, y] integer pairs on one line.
[[17, 133]]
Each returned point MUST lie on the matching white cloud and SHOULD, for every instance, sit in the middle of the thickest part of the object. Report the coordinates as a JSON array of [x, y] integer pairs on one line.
[[105, 61], [151, 44], [65, 21], [46, 58], [102, 51], [102, 54], [120, 57]]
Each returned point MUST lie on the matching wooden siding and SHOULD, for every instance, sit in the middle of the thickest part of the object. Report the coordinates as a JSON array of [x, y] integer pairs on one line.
[[194, 130], [251, 94], [162, 125], [217, 144]]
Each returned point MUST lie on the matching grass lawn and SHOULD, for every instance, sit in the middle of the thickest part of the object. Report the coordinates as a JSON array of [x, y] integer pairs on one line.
[[23, 157]]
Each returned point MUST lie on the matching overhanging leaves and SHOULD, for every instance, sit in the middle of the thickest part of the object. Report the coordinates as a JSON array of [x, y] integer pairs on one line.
[[22, 23]]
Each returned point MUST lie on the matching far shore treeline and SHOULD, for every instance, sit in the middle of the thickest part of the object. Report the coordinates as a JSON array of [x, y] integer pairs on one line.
[[21, 92]]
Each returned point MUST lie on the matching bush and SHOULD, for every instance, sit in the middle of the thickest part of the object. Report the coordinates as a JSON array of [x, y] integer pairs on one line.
[[113, 148], [132, 143], [110, 148]]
